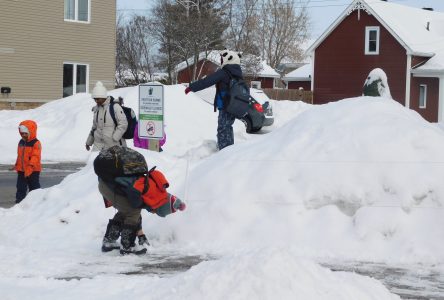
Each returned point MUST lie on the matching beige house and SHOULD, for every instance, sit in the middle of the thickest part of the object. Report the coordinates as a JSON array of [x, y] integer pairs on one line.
[[54, 48]]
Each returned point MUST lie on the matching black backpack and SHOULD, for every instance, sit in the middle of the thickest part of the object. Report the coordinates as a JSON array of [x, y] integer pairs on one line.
[[238, 101], [130, 117], [118, 161]]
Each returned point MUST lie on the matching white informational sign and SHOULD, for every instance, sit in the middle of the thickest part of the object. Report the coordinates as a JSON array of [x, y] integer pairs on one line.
[[151, 111]]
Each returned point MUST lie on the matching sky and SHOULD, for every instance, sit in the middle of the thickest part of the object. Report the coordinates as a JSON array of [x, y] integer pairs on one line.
[[262, 214], [322, 12]]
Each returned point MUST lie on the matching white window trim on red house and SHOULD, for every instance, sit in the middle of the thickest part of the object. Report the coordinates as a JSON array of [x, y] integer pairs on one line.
[[408, 81], [369, 29], [312, 70], [424, 87], [256, 84], [441, 99], [440, 76]]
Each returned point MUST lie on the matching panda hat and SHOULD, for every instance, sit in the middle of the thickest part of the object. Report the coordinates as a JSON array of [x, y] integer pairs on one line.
[[228, 57]]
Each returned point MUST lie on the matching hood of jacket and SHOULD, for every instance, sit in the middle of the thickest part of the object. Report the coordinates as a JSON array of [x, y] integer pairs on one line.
[[235, 70], [108, 101], [32, 127]]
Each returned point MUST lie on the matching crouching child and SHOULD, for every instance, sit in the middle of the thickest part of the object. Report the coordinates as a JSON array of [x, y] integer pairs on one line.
[[126, 182]]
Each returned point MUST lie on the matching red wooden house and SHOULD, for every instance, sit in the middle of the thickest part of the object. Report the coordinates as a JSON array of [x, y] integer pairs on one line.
[[407, 43], [210, 62], [299, 78]]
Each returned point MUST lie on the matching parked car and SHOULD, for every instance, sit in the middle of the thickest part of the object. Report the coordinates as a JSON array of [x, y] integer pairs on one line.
[[263, 99], [259, 115]]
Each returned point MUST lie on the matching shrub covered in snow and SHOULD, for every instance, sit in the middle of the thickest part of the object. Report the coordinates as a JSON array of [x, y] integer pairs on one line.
[[376, 84]]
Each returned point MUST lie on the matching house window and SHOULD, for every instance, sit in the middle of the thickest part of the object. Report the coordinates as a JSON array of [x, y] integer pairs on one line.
[[422, 96], [256, 84], [75, 79], [372, 40], [77, 10]]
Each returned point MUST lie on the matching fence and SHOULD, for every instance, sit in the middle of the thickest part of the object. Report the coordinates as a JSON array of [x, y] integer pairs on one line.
[[285, 94]]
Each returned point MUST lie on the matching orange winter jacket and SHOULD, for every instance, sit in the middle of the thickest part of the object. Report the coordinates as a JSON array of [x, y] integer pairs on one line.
[[29, 152]]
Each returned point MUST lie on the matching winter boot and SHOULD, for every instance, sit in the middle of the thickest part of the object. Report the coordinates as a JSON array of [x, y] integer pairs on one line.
[[128, 239], [143, 241], [111, 235]]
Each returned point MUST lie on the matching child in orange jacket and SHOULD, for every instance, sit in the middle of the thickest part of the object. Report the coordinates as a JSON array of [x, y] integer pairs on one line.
[[28, 163]]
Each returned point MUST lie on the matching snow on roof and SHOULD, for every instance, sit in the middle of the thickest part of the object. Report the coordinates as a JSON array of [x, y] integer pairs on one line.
[[434, 66], [214, 57], [267, 71], [127, 74], [300, 74], [410, 25], [420, 31]]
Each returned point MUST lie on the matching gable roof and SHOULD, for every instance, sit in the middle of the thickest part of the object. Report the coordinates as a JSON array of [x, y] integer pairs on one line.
[[267, 71], [408, 25], [300, 74], [434, 66], [214, 57]]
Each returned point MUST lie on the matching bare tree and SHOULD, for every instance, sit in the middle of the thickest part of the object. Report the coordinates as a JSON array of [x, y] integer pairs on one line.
[[243, 20], [120, 69], [282, 29], [187, 28], [242, 34], [165, 16], [135, 47]]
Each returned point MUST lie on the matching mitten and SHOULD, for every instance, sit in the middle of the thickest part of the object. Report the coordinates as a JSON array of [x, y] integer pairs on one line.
[[187, 90], [28, 171]]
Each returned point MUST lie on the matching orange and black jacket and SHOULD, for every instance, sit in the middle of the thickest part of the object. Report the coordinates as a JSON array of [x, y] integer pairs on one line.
[[29, 152]]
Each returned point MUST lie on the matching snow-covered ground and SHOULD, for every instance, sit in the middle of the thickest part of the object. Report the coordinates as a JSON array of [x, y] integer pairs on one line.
[[355, 180]]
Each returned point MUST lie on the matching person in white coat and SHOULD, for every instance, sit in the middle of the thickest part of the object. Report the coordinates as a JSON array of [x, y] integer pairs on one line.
[[104, 132]]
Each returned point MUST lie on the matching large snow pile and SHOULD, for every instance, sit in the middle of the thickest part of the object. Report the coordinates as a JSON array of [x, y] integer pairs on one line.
[[358, 179]]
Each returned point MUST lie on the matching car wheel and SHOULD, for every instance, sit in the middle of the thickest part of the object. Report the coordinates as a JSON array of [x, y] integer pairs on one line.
[[249, 126], [256, 129]]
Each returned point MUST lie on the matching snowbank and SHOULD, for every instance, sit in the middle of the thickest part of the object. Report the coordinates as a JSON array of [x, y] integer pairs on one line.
[[331, 163], [359, 179]]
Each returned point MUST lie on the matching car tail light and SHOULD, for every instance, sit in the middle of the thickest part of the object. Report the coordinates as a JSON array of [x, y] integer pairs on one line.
[[258, 107]]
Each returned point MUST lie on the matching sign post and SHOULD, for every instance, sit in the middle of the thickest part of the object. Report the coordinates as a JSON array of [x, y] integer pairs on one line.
[[151, 114]]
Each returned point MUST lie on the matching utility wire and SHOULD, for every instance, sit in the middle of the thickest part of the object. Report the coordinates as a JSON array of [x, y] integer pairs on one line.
[[283, 4]]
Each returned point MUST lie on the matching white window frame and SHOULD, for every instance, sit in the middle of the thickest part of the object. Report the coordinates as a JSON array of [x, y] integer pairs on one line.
[[256, 82], [76, 13], [275, 83], [368, 29], [425, 96], [74, 76]]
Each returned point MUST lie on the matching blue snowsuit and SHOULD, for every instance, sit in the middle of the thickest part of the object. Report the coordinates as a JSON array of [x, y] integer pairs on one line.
[[221, 79]]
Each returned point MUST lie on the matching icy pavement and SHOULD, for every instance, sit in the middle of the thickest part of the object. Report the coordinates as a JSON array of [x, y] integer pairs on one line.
[[160, 264], [51, 174], [417, 282]]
